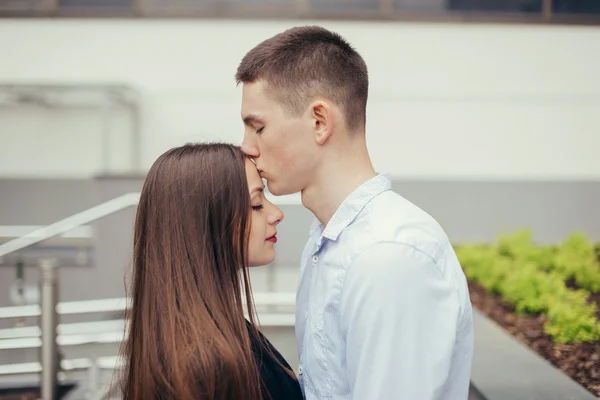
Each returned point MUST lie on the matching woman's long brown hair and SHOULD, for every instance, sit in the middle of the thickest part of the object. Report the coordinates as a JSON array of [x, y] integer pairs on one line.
[[188, 336]]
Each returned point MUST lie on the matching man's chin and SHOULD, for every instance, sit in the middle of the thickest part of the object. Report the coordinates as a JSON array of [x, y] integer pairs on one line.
[[276, 190]]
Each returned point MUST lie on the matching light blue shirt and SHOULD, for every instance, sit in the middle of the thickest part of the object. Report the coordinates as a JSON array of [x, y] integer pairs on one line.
[[382, 310]]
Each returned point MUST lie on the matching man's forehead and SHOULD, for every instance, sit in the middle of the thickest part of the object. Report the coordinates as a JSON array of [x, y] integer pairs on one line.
[[248, 95], [255, 103]]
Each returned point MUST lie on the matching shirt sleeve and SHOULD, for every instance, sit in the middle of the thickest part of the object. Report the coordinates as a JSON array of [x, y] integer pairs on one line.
[[399, 318]]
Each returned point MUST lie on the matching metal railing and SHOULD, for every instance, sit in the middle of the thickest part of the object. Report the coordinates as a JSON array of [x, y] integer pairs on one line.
[[74, 221], [49, 282]]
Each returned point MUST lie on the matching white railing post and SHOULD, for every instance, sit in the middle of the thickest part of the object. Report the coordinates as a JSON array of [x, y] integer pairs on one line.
[[48, 324]]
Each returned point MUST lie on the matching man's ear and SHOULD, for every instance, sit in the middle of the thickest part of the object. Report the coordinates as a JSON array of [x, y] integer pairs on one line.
[[323, 120]]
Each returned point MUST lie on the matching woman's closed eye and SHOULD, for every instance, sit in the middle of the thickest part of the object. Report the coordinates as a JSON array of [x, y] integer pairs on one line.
[[259, 130], [257, 207]]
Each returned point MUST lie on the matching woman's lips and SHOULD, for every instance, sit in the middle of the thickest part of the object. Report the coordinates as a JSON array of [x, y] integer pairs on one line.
[[272, 239]]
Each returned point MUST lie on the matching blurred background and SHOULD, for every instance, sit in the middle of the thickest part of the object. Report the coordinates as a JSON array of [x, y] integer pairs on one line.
[[485, 113]]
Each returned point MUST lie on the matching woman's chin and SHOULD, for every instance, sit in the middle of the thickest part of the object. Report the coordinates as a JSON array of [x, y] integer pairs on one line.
[[259, 262]]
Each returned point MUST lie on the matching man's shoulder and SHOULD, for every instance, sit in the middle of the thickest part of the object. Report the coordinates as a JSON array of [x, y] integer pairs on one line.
[[391, 218]]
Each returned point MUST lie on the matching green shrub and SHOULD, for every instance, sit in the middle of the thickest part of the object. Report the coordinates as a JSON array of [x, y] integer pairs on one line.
[[572, 320], [520, 245], [529, 289], [576, 259], [532, 278]]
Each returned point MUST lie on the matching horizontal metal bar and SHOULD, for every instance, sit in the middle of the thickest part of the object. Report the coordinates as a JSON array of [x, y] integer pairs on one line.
[[109, 362], [105, 363], [67, 308], [74, 328], [21, 343], [63, 340], [119, 304], [20, 312], [92, 306], [118, 333]]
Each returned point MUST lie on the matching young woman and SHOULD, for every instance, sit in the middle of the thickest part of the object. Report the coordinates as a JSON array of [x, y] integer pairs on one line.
[[202, 220]]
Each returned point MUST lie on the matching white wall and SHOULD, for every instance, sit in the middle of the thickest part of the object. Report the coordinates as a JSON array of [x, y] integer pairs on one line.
[[451, 101]]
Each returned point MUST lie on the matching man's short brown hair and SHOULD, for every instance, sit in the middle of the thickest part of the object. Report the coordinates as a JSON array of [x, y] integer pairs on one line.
[[304, 62]]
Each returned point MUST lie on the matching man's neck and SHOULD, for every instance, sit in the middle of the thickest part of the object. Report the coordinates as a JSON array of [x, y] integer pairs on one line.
[[337, 179]]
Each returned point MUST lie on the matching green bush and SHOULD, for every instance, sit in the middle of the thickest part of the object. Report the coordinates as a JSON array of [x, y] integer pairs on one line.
[[571, 319], [520, 246], [532, 278], [576, 259]]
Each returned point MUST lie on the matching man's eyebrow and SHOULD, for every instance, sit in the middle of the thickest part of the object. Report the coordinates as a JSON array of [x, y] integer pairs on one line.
[[250, 118]]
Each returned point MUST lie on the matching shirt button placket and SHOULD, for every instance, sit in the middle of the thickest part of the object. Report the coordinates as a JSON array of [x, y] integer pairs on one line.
[[315, 260]]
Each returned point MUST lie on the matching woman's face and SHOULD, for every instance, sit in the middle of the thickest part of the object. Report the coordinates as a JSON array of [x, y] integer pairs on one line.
[[264, 219]]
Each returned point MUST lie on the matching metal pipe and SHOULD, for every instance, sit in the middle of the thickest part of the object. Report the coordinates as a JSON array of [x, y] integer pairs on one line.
[[48, 324], [74, 221]]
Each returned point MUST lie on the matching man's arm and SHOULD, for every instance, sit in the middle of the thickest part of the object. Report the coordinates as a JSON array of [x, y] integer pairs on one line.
[[399, 319]]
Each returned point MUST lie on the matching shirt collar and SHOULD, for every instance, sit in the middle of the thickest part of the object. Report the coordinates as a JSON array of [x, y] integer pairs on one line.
[[350, 208]]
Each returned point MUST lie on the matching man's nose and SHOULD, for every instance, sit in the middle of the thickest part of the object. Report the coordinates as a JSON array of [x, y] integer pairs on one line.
[[249, 147]]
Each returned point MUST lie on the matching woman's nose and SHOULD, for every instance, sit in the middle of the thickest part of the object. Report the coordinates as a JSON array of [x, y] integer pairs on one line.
[[276, 216]]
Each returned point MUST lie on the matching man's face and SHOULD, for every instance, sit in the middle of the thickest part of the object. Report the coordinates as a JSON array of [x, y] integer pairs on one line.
[[283, 148]]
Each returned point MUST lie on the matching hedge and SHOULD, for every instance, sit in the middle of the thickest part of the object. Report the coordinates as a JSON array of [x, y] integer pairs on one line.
[[534, 279]]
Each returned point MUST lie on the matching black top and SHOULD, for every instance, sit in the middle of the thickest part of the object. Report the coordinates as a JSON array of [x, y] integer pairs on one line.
[[277, 382]]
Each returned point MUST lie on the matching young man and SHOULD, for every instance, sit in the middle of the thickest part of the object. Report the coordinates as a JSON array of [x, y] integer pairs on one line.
[[383, 309]]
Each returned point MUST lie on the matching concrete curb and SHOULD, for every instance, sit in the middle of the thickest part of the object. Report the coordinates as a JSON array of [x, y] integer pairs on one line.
[[506, 369]]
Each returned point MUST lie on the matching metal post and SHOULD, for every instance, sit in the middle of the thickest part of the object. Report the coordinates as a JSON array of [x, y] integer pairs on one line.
[[93, 375], [49, 322]]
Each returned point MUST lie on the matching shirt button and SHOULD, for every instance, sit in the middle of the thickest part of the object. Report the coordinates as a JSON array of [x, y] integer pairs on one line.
[[300, 370], [306, 315], [315, 259]]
